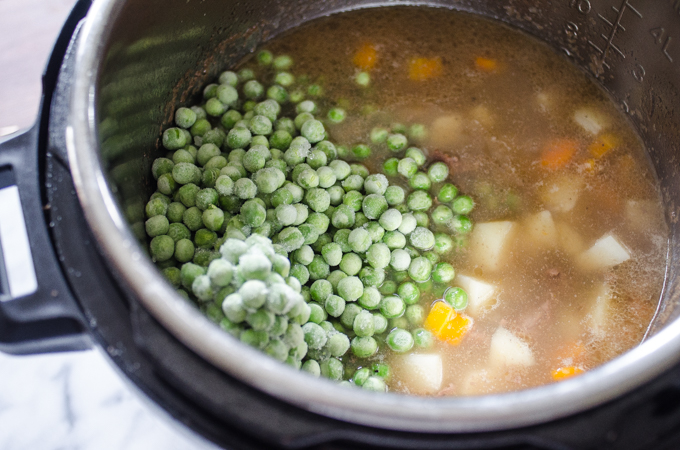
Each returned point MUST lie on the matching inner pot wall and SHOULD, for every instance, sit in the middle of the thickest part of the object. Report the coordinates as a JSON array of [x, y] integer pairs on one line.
[[139, 60]]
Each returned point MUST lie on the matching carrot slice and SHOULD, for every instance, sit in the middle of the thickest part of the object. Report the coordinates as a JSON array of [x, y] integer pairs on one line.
[[423, 69], [558, 154], [486, 64], [566, 372], [603, 145], [446, 324], [366, 57]]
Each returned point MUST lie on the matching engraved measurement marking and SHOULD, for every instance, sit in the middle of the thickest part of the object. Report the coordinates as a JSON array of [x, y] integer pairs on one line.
[[615, 26], [659, 35]]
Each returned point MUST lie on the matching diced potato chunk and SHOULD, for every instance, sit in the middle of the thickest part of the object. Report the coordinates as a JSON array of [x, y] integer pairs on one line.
[[482, 115], [590, 120], [571, 241], [539, 230], [562, 195], [422, 373], [480, 294], [600, 311], [482, 381], [507, 349], [606, 252], [446, 130], [488, 244]]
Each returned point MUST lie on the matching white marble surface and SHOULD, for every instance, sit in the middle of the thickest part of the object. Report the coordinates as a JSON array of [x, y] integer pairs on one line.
[[78, 401]]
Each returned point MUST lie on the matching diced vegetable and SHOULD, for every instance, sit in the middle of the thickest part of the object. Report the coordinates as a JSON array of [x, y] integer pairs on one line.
[[600, 311], [507, 349], [562, 194], [539, 229], [488, 244], [366, 57], [422, 69], [480, 294], [558, 153], [591, 121], [422, 372], [603, 144], [446, 324], [565, 372], [606, 252], [446, 130], [570, 240], [486, 64]]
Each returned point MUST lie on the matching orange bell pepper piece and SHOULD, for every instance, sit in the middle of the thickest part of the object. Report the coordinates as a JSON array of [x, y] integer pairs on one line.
[[446, 324], [423, 69], [566, 372], [366, 57], [559, 153], [486, 64]]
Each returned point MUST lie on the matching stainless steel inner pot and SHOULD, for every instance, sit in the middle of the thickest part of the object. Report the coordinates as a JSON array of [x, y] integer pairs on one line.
[[137, 60]]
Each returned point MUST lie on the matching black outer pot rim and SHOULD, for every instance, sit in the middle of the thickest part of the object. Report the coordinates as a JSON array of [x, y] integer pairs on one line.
[[193, 329]]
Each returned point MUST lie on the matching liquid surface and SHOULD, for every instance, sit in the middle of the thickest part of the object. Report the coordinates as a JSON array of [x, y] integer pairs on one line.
[[565, 264]]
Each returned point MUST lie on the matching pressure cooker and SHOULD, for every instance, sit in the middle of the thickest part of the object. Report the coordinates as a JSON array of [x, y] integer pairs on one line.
[[73, 275]]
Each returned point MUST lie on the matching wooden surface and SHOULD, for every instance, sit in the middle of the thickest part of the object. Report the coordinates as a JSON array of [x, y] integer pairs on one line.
[[28, 29]]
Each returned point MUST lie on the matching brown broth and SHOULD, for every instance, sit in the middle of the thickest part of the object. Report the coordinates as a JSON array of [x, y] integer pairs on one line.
[[506, 118]]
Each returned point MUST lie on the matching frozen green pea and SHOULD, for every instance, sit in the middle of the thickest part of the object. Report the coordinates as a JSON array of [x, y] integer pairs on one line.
[[320, 290], [311, 367], [394, 195], [318, 269], [350, 288], [332, 253], [184, 173], [291, 239], [443, 272], [315, 336], [341, 169], [174, 139], [343, 216], [376, 231], [460, 224], [419, 200], [230, 118], [280, 139], [162, 248], [184, 250], [378, 255], [363, 79], [338, 344], [361, 151], [423, 338], [363, 324], [213, 218], [351, 264], [416, 155], [300, 272], [374, 206], [260, 125], [193, 218], [371, 276], [408, 224], [420, 269], [185, 117], [390, 167], [214, 107], [313, 130], [335, 305], [326, 178], [389, 287], [400, 260], [302, 213], [348, 315], [359, 240], [317, 159], [443, 244], [438, 172], [392, 306], [363, 347], [441, 215], [390, 220], [277, 93], [335, 277], [178, 231], [415, 314], [407, 167], [396, 142], [238, 137], [157, 225], [337, 115], [370, 299], [244, 188], [422, 238], [399, 340], [463, 205], [457, 298], [184, 156], [420, 181], [175, 212], [394, 240], [379, 134], [376, 184]]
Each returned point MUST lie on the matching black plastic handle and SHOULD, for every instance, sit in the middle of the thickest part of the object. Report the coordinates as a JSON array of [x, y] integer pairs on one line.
[[38, 312]]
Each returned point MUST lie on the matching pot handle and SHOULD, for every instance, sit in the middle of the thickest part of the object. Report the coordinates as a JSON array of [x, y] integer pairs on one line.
[[37, 310]]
